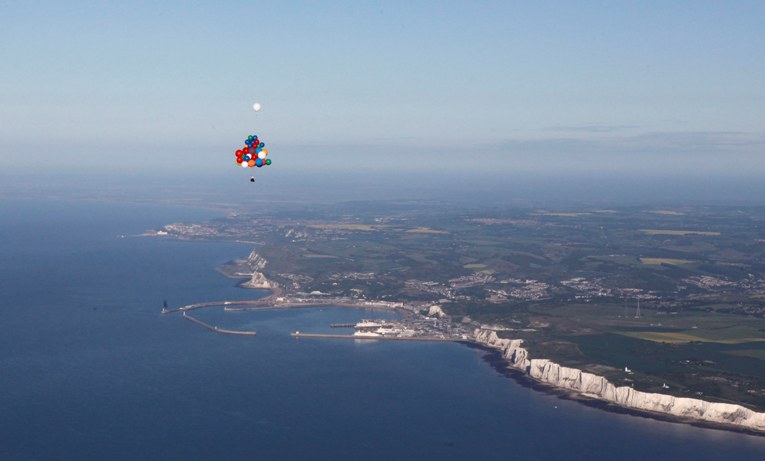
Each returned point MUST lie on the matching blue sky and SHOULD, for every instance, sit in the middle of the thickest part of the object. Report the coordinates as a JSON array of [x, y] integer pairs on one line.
[[495, 86]]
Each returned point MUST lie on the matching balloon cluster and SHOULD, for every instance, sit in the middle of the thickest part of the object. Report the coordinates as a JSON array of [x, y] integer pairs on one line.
[[253, 154]]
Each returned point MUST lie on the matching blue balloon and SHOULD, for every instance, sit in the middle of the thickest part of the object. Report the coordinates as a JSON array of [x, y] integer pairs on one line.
[[246, 157], [262, 145], [258, 163]]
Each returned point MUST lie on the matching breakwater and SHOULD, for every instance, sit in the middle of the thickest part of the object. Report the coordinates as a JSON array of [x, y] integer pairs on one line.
[[189, 307], [217, 329]]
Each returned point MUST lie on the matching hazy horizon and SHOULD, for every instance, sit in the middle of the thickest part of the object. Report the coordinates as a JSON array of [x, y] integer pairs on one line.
[[468, 189]]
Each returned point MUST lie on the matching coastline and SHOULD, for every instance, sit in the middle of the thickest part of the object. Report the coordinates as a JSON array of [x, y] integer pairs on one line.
[[509, 359], [495, 360], [598, 392]]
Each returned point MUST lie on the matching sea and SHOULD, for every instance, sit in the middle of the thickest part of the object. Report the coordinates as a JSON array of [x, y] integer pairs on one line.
[[91, 370]]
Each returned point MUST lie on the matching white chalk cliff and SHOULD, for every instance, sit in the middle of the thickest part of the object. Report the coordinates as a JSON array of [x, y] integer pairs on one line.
[[257, 279], [436, 311], [598, 387]]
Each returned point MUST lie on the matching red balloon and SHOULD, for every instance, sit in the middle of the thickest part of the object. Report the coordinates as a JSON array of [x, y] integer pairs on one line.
[[246, 150], [239, 153], [239, 160]]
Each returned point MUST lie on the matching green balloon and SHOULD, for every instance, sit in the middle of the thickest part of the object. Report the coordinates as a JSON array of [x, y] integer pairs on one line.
[[268, 161]]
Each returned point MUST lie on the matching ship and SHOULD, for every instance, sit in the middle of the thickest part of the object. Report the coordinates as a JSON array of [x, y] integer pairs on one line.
[[368, 325], [366, 334]]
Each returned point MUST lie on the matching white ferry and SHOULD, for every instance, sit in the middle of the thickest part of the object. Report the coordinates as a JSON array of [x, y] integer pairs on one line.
[[366, 334]]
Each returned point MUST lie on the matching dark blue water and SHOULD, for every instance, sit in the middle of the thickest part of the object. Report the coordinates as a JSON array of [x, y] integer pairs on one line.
[[89, 368]]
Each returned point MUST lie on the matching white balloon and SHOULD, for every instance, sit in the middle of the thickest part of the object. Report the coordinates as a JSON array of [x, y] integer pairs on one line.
[[244, 164], [261, 155], [256, 107]]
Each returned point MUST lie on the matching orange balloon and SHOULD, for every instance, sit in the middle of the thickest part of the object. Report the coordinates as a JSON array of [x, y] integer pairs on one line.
[[251, 163]]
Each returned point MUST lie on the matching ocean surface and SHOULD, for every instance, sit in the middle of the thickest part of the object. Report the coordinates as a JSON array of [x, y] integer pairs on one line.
[[90, 369]]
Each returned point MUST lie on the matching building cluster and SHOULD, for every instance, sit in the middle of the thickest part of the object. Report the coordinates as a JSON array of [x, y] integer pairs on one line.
[[706, 282], [295, 234], [472, 280], [352, 276], [523, 290], [426, 286], [586, 289], [530, 290], [296, 281], [411, 327], [238, 230], [190, 230]]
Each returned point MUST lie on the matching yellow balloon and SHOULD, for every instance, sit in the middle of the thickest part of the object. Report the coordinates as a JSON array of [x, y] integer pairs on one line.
[[265, 151]]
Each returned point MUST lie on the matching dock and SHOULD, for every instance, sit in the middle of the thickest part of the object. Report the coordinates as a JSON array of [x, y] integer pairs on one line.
[[373, 338]]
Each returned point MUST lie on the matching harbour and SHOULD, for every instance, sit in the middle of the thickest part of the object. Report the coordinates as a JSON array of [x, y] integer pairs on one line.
[[412, 326]]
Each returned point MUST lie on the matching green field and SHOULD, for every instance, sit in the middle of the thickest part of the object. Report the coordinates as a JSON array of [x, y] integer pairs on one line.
[[677, 232], [345, 226], [668, 213], [687, 337], [474, 266], [672, 261], [426, 230], [561, 214], [758, 354]]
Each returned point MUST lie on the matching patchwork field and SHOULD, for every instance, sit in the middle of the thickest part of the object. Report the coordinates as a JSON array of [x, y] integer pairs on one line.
[[677, 232], [688, 337], [672, 261]]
